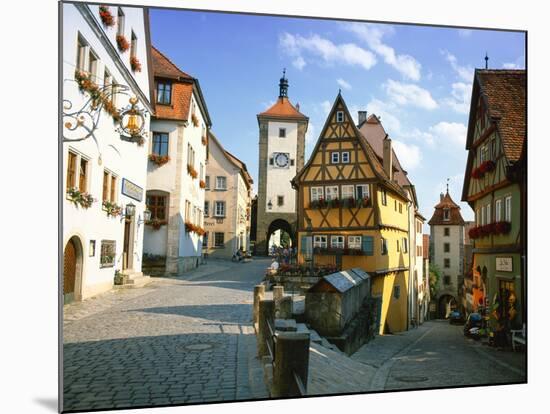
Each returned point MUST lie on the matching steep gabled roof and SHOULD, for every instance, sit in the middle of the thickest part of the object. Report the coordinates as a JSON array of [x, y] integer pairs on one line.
[[446, 202], [164, 67], [283, 109]]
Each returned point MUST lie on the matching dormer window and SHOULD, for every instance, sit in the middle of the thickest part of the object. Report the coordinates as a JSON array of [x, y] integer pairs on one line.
[[446, 214], [340, 116], [164, 93]]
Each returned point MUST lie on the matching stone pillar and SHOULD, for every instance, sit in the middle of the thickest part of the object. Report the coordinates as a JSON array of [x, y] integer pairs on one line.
[[259, 293], [266, 311], [291, 357], [278, 293]]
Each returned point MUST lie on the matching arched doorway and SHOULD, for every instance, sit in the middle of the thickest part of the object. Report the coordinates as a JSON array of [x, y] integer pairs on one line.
[[287, 236], [447, 303], [72, 270]]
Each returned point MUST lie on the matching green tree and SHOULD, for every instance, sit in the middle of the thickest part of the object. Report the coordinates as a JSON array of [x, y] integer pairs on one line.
[[285, 239], [435, 275]]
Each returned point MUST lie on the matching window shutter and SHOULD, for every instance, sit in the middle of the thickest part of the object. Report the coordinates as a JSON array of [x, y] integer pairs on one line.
[[367, 245], [303, 244]]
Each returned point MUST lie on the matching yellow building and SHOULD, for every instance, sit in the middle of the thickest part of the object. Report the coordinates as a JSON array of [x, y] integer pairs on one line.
[[352, 214]]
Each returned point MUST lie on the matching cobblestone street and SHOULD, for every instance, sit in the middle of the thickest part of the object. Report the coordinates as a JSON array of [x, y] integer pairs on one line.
[[181, 340]]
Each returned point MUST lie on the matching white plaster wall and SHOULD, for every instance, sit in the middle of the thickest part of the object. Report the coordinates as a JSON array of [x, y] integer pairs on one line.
[[455, 236], [278, 179], [125, 159], [163, 177], [155, 241]]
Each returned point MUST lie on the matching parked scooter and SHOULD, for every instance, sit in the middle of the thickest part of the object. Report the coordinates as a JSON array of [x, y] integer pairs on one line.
[[474, 326]]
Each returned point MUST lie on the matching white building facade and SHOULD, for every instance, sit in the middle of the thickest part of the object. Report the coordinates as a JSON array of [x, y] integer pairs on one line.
[[103, 173]]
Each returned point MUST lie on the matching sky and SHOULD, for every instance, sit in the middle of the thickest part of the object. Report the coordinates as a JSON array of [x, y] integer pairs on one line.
[[417, 79]]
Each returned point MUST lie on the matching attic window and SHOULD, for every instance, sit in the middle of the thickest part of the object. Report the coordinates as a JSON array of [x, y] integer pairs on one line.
[[340, 116], [446, 214]]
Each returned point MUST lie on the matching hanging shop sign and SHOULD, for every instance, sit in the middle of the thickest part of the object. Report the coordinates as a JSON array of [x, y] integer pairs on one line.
[[132, 190], [504, 264]]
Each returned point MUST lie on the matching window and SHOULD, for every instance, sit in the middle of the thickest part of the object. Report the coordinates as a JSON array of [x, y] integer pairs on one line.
[[205, 240], [207, 182], [156, 204], [354, 242], [133, 45], [493, 149], [160, 143], [83, 175], [446, 214], [280, 200], [221, 183], [483, 215], [81, 53], [292, 162], [447, 280], [446, 263], [400, 208], [164, 93], [206, 208], [107, 82], [397, 243], [120, 21], [384, 246], [483, 154], [508, 209], [405, 245], [489, 217], [446, 231], [71, 170], [446, 247], [109, 186], [362, 191], [339, 116], [190, 156], [282, 132], [201, 171], [218, 239], [334, 157], [331, 192], [498, 210], [347, 191], [478, 217], [219, 208], [345, 157], [384, 198], [271, 161], [320, 241], [395, 205], [316, 193], [187, 210], [396, 292], [337, 242]]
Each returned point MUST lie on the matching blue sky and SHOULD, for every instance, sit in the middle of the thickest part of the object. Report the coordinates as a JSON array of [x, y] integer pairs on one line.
[[417, 79]]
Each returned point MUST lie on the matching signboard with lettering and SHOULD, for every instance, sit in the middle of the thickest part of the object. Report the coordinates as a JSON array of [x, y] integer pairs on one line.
[[504, 264], [132, 190]]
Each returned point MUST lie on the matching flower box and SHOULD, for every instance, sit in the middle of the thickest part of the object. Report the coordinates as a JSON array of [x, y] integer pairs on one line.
[[195, 120], [122, 43], [487, 166], [106, 17], [191, 171], [159, 159], [135, 64], [335, 202], [365, 202], [204, 140], [192, 228], [350, 202], [85, 84], [502, 227], [202, 184], [112, 209], [79, 198], [156, 223]]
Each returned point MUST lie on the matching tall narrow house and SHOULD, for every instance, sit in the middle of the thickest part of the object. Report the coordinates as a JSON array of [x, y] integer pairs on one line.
[[495, 186], [281, 155], [353, 214]]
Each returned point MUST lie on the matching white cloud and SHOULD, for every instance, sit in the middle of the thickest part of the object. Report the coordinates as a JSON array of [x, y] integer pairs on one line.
[[317, 47], [390, 122], [407, 65], [465, 33], [343, 83], [311, 136], [466, 73], [409, 94], [326, 107], [461, 94], [453, 132], [409, 155], [267, 105], [299, 63]]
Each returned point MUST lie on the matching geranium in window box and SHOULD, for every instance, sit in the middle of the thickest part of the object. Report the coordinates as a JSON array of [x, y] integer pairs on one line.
[[474, 233], [156, 223], [321, 203], [80, 198], [122, 43], [502, 227], [191, 171], [350, 202], [365, 202], [314, 204], [135, 64], [194, 120], [335, 202], [202, 184], [477, 173], [487, 166], [159, 159], [204, 140], [112, 209], [106, 17]]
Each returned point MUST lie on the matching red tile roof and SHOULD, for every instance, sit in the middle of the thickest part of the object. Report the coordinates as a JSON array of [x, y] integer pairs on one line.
[[505, 91], [163, 67], [283, 109], [455, 217]]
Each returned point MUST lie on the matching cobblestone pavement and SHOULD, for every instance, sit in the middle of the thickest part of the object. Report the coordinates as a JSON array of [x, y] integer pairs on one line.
[[176, 341], [437, 355]]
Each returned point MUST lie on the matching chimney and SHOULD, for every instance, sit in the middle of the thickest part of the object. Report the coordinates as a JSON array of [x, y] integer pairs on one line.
[[362, 116], [387, 160], [441, 196]]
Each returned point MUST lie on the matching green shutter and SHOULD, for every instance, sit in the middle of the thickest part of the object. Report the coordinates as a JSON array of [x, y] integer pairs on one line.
[[303, 244], [368, 245]]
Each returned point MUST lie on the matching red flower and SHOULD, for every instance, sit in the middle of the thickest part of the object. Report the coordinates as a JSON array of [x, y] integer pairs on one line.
[[122, 43], [502, 227], [487, 166], [477, 173], [106, 17], [135, 64], [202, 184]]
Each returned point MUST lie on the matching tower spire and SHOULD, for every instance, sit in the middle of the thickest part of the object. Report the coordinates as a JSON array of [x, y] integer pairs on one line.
[[486, 61], [283, 86], [447, 185]]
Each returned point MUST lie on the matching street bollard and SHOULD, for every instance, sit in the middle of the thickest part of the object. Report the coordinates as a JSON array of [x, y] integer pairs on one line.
[[278, 294], [291, 357], [259, 293], [266, 311]]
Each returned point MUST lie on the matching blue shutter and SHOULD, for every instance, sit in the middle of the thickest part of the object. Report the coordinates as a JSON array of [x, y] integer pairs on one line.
[[368, 245]]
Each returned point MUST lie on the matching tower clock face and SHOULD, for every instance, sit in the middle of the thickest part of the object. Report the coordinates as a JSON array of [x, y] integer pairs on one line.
[[281, 159]]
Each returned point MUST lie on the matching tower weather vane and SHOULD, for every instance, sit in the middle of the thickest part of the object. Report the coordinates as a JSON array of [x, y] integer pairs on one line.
[[447, 185], [486, 61]]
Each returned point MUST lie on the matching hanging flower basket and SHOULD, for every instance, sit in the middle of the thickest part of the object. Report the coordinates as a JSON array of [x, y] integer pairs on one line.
[[202, 184], [156, 223], [135, 64], [194, 120], [79, 198], [159, 159], [192, 172], [106, 17], [122, 43], [112, 209]]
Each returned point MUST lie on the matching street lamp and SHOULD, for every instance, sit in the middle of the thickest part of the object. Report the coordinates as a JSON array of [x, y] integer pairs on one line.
[[269, 205]]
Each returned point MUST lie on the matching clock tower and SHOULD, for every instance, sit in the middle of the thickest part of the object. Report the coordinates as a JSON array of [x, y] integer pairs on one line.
[[282, 145]]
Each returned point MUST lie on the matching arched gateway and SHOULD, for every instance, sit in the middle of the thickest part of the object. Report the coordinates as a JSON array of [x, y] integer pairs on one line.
[[284, 226]]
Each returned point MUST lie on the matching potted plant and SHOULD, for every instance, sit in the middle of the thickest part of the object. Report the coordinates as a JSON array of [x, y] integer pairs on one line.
[[122, 43], [119, 278], [335, 202], [135, 64], [106, 17], [159, 159]]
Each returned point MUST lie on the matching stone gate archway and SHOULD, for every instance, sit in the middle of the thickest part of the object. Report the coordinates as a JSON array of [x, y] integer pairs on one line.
[[446, 304], [279, 224]]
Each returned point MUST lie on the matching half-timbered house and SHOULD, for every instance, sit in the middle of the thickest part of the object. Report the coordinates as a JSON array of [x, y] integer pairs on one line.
[[495, 186], [352, 214]]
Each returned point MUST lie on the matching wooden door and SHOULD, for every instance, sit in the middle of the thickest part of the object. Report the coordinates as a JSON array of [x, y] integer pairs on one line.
[[69, 272], [126, 244]]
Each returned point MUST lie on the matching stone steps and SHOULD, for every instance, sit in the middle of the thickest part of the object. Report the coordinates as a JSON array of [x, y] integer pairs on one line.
[[134, 280]]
